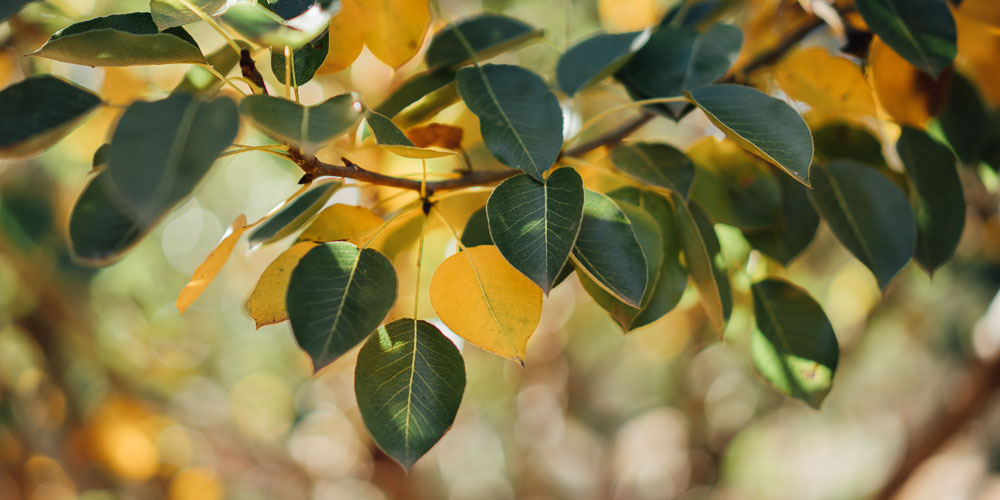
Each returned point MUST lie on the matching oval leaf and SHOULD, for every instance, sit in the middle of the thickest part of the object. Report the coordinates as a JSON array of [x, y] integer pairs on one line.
[[121, 40], [654, 163], [519, 117], [699, 264], [595, 58], [486, 301], [38, 112], [829, 84], [388, 135], [796, 225], [763, 125], [342, 222], [608, 249], [922, 31], [908, 94], [337, 295], [101, 230], [794, 346], [408, 381], [347, 37], [305, 126], [210, 268], [294, 215], [868, 214], [396, 29], [267, 301], [487, 34], [308, 58], [534, 224]]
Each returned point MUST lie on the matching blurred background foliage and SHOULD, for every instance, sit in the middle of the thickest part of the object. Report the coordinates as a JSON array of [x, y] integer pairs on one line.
[[106, 392]]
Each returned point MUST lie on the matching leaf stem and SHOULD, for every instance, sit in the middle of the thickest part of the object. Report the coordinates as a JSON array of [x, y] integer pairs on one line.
[[288, 74], [420, 257], [211, 22], [220, 76]]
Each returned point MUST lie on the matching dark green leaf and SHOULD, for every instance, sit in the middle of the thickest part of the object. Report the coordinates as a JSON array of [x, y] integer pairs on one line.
[[966, 122], [100, 159], [10, 7], [941, 211], [763, 125], [487, 34], [386, 133], [737, 190], [707, 230], [308, 58], [121, 40], [655, 163], [534, 224], [337, 295], [409, 382], [689, 13], [39, 111], [200, 81], [699, 263], [608, 250], [843, 140], [519, 117], [101, 230], [868, 214], [922, 31], [595, 58], [413, 90], [305, 126], [794, 346], [796, 227], [264, 27], [161, 150], [477, 230], [294, 215], [170, 13]]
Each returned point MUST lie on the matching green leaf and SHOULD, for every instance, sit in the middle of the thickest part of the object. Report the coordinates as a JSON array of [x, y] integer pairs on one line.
[[699, 263], [487, 34], [607, 249], [794, 346], [595, 58], [868, 214], [796, 227], [337, 295], [294, 215], [264, 27], [121, 40], [171, 13], [307, 127], [519, 117], [308, 58], [100, 159], [100, 229], [534, 224], [39, 111], [707, 230], [408, 382], [763, 125], [10, 7], [966, 122], [941, 210], [846, 141], [201, 82], [161, 150], [737, 190], [392, 139], [922, 31], [655, 163], [477, 229], [413, 90], [676, 59]]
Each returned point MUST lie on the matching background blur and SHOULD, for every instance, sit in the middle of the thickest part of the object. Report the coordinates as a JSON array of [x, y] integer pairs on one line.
[[106, 392]]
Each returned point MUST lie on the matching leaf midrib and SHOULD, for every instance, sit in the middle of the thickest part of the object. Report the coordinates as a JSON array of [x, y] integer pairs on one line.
[[506, 119], [340, 308], [849, 216]]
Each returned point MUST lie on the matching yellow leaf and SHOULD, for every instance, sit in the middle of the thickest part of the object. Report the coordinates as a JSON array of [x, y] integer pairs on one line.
[[627, 15], [209, 269], [347, 37], [978, 23], [436, 134], [414, 152], [906, 93], [482, 298], [267, 301], [833, 86], [395, 28], [342, 222]]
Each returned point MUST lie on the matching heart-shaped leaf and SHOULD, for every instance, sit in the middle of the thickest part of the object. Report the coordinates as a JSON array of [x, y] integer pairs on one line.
[[655, 163], [171, 13], [794, 346], [121, 40], [608, 249], [534, 224], [763, 125], [487, 35], [305, 126], [294, 215], [408, 381], [922, 31], [593, 59], [868, 214], [38, 112], [337, 295], [392, 139], [519, 117]]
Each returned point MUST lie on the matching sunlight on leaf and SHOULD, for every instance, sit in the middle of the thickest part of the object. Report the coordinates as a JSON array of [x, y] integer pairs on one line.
[[267, 301], [342, 222], [833, 86], [209, 269]]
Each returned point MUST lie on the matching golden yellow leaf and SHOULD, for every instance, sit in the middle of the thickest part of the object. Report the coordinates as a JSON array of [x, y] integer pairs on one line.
[[267, 301], [978, 23], [833, 86], [195, 483], [209, 269], [482, 298], [906, 93], [414, 152], [436, 134], [395, 28], [627, 15], [347, 37], [342, 222]]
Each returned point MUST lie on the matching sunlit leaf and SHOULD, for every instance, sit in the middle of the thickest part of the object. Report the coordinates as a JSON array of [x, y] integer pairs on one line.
[[414, 89], [794, 346], [307, 58], [408, 381], [264, 27], [595, 58], [390, 138], [483, 299], [486, 34], [436, 134], [200, 81], [699, 264], [305, 126], [121, 40], [294, 215], [396, 28], [170, 13], [829, 84], [210, 268], [908, 94], [658, 164], [39, 111], [337, 295], [733, 186], [342, 222], [347, 37], [922, 31], [608, 250], [706, 228], [267, 301]]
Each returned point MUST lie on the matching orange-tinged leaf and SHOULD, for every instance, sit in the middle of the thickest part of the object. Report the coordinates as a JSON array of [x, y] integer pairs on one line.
[[209, 269], [347, 37], [436, 134], [627, 15], [483, 299], [978, 23], [342, 222], [909, 95], [395, 28], [831, 85], [267, 301]]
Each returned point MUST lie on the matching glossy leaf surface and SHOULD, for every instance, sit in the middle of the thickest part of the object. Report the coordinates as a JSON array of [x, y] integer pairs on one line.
[[121, 40], [608, 250], [305, 126]]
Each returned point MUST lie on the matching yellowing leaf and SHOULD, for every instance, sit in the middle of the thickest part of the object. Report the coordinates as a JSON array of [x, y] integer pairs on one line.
[[396, 28], [347, 37], [627, 15], [342, 222], [978, 23], [267, 301], [436, 134], [209, 269], [906, 93], [833, 86], [482, 298]]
